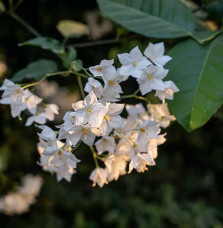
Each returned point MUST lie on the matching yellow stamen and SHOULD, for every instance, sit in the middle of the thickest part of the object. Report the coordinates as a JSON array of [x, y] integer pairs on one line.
[[59, 152], [18, 91], [111, 83], [99, 69], [134, 64], [107, 117], [89, 110], [150, 76], [105, 140], [85, 131], [73, 117], [142, 130]]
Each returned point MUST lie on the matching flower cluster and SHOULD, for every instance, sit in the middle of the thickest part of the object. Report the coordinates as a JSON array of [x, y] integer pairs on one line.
[[19, 201], [122, 144], [21, 99]]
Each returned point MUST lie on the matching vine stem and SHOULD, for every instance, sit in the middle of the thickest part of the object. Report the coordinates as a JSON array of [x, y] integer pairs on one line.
[[94, 154], [80, 86], [24, 23], [134, 95]]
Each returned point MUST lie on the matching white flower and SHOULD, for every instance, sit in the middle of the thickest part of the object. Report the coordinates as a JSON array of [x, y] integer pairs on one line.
[[99, 176], [112, 88], [106, 143], [47, 133], [31, 101], [155, 52], [140, 161], [133, 63], [148, 130], [18, 202], [90, 111], [116, 166], [136, 112], [112, 119], [170, 89], [83, 133], [95, 86], [15, 96], [39, 118], [64, 172], [151, 79], [105, 67], [31, 185], [50, 111], [160, 113]]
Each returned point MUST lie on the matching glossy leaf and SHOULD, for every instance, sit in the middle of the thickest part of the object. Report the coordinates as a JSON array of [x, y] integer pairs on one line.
[[198, 72], [45, 43], [151, 18], [36, 70]]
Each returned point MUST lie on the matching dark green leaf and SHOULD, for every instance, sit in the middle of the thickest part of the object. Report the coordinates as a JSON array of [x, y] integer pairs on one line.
[[69, 57], [198, 72], [36, 70], [45, 43], [151, 18]]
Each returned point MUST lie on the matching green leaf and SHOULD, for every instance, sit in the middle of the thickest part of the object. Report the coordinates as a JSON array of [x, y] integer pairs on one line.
[[69, 57], [45, 43], [36, 70], [198, 73], [151, 18]]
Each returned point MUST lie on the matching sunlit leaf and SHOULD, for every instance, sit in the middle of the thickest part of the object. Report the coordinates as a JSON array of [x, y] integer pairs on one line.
[[198, 72], [69, 28]]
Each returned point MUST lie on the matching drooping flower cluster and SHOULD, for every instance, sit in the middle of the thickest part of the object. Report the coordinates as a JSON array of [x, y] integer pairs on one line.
[[19, 202], [123, 142], [22, 99], [118, 144]]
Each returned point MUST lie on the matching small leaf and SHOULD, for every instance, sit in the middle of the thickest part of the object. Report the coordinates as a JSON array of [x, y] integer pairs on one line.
[[69, 57], [36, 70], [77, 65], [45, 43], [151, 18], [69, 28], [198, 72]]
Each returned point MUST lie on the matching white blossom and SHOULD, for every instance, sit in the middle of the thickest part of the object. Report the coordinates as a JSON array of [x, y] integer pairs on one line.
[[38, 118], [50, 111], [90, 111], [133, 63], [105, 67], [151, 79], [168, 92], [99, 177], [155, 52], [95, 86], [107, 143]]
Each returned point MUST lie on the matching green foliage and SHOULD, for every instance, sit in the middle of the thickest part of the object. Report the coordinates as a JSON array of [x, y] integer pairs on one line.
[[36, 70], [45, 43], [69, 57], [197, 71], [151, 18]]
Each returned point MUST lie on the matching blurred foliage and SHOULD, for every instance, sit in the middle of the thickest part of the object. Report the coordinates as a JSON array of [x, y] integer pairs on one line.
[[183, 190]]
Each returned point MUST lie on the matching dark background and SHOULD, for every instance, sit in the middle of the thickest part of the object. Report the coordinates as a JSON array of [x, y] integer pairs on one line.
[[184, 189]]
